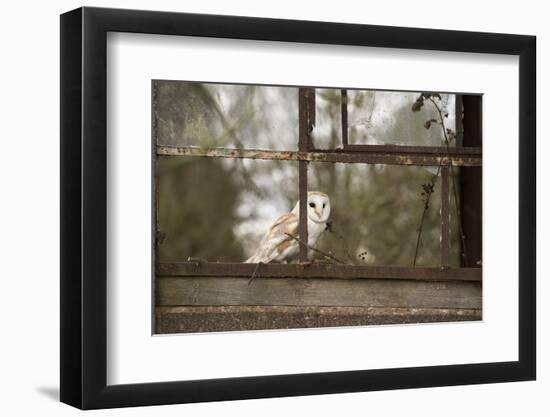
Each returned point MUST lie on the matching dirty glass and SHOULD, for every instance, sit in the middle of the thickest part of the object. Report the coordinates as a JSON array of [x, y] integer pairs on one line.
[[217, 210], [384, 118], [225, 116], [376, 212]]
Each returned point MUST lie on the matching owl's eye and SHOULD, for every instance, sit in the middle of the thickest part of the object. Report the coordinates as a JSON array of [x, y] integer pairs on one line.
[[324, 204], [312, 205]]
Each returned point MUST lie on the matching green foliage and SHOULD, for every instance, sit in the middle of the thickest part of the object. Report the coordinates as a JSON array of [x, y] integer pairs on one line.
[[419, 103], [196, 212]]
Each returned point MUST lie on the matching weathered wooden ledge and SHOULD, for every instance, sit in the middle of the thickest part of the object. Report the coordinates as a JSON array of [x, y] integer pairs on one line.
[[211, 291]]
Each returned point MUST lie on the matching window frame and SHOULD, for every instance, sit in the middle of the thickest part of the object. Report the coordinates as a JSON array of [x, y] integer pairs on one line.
[[445, 157]]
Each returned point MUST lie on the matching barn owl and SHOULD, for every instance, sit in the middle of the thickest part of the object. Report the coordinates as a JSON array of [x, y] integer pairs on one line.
[[277, 246]]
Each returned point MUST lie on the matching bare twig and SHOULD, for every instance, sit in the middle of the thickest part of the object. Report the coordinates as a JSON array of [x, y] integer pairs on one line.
[[346, 249], [326, 255], [343, 241]]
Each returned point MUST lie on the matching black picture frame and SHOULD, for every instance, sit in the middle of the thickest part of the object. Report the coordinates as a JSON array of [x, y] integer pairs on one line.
[[84, 207]]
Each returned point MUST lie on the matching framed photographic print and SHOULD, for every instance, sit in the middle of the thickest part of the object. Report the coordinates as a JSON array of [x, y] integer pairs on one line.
[[257, 208]]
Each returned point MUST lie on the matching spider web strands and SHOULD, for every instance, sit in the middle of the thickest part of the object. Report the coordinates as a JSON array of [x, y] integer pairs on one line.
[[316, 270], [370, 154]]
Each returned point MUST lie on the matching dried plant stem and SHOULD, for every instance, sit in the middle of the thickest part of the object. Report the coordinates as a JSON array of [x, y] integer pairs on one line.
[[340, 237], [418, 237], [424, 211]]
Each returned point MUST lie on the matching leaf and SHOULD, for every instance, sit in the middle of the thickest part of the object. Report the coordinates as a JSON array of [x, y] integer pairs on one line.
[[418, 103], [431, 95], [428, 123]]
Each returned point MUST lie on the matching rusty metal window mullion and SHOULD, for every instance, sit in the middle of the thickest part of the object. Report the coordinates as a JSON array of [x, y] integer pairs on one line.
[[344, 116], [459, 127], [303, 146], [470, 183], [302, 226], [445, 242]]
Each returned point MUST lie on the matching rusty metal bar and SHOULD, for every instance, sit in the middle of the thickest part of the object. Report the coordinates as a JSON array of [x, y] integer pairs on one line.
[[459, 127], [324, 270], [305, 124], [470, 184], [445, 243], [302, 227], [311, 115], [370, 154], [420, 150], [156, 234], [155, 177], [344, 115], [303, 145]]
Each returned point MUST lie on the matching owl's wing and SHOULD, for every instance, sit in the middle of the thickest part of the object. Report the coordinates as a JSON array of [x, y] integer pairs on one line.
[[276, 241]]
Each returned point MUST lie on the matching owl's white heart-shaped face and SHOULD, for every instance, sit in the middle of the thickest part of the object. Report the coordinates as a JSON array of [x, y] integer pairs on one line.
[[318, 207]]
